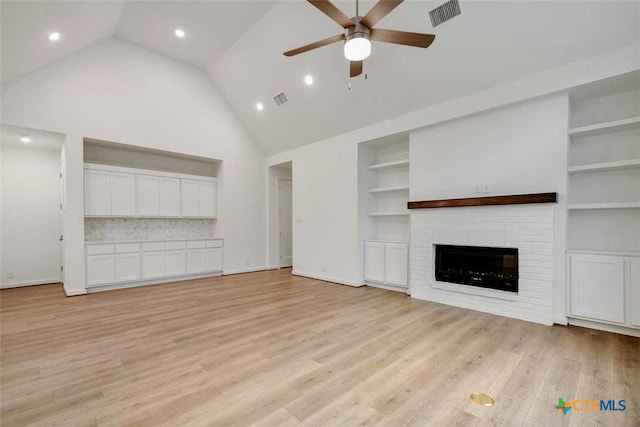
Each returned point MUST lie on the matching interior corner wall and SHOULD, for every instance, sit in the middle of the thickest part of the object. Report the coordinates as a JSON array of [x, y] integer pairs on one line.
[[115, 91], [30, 219], [325, 211], [514, 150]]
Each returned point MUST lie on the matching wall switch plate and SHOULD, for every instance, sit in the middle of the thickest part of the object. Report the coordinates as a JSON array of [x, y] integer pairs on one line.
[[11, 274]]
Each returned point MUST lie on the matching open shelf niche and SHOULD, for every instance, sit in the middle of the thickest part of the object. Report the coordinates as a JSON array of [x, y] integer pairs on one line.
[[604, 166]]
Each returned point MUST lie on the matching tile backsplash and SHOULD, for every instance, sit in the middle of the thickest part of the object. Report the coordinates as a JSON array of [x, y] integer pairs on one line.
[[119, 229]]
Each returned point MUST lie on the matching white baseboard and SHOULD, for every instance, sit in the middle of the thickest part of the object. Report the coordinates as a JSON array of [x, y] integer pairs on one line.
[[328, 279], [388, 287], [111, 287], [29, 283], [624, 330], [246, 270]]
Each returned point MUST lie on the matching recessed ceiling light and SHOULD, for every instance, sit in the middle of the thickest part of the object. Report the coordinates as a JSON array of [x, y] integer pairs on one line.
[[259, 106], [54, 37], [25, 139], [179, 33], [308, 79]]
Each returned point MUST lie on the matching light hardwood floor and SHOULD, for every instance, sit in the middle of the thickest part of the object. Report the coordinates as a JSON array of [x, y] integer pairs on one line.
[[270, 349]]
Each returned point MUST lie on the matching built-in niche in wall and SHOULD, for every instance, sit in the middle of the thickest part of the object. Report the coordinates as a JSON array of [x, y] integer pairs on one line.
[[383, 193], [139, 194]]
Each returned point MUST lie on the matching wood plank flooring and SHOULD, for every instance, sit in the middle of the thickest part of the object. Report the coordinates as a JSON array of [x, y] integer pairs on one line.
[[271, 349]]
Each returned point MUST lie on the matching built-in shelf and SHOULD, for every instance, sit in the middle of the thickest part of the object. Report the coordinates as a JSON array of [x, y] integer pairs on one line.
[[605, 167], [613, 205], [400, 213], [386, 189], [603, 252], [512, 199], [388, 165], [601, 128]]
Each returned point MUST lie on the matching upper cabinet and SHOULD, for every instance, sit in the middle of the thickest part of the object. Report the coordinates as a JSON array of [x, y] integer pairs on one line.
[[123, 192]]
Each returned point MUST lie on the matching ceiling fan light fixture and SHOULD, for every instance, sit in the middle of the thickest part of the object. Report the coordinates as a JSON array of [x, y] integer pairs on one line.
[[357, 47]]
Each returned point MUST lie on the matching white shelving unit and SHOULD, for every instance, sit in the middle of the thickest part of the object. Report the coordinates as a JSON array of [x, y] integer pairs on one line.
[[383, 174], [603, 255]]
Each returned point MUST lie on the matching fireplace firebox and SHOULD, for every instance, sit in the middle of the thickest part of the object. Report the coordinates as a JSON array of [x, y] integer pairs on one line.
[[493, 268]]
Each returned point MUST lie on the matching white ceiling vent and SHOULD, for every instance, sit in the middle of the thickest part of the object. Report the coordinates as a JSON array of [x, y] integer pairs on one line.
[[280, 99], [444, 12]]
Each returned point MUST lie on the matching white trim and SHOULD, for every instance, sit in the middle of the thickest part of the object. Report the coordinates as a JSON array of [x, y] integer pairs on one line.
[[604, 167], [175, 279], [600, 128], [30, 283], [328, 279], [150, 172], [278, 258], [246, 270], [74, 292], [604, 327], [388, 287]]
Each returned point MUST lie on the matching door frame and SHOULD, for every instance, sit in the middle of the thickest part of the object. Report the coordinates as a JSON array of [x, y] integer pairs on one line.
[[278, 236]]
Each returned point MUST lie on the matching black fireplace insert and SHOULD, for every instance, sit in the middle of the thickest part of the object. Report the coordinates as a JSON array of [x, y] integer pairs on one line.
[[494, 268]]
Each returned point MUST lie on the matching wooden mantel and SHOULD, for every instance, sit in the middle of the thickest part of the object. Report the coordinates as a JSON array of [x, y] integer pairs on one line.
[[514, 199]]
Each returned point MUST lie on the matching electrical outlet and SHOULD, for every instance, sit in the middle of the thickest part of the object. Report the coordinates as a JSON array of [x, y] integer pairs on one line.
[[11, 274], [324, 270], [246, 262], [486, 188], [476, 189]]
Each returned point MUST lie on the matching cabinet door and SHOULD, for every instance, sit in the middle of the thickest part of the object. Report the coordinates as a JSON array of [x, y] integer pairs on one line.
[[206, 194], [100, 269], [597, 287], [374, 261], [176, 262], [169, 197], [190, 198], [128, 267], [153, 264], [96, 193], [195, 261], [213, 259], [634, 285], [123, 194], [396, 264], [148, 199]]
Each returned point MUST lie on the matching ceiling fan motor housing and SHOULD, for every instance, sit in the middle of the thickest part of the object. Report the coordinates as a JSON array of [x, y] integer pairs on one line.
[[358, 30]]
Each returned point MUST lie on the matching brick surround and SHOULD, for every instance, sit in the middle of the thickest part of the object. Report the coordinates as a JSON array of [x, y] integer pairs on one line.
[[530, 228]]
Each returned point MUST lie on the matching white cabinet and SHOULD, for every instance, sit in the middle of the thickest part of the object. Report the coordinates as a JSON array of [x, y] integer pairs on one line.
[[169, 197], [127, 262], [123, 194], [153, 264], [198, 198], [127, 267], [100, 269], [396, 263], [176, 262], [213, 259], [195, 261], [374, 261], [634, 290], [148, 200], [386, 263], [597, 287], [97, 193]]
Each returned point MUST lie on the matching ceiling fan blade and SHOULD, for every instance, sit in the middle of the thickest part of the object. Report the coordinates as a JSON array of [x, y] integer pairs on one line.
[[332, 12], [355, 68], [379, 11], [315, 45], [402, 37]]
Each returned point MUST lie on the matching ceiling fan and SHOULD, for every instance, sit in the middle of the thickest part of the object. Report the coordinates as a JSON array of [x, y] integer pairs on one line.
[[359, 33]]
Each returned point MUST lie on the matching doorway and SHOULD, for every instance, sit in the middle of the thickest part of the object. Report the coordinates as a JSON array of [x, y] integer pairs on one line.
[[285, 223]]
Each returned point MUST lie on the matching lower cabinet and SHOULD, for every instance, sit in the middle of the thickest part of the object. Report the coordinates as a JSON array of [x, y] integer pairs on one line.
[[605, 288], [132, 262], [386, 263]]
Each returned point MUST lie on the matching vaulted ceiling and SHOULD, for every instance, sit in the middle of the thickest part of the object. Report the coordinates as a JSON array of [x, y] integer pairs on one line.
[[240, 44]]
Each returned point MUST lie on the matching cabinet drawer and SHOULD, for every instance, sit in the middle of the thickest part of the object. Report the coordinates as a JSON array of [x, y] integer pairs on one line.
[[213, 243], [170, 246], [100, 249], [153, 246], [123, 248], [196, 244]]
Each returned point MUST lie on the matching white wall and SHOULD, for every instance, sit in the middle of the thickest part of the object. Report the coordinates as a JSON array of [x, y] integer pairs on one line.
[[30, 216], [515, 150], [118, 92]]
